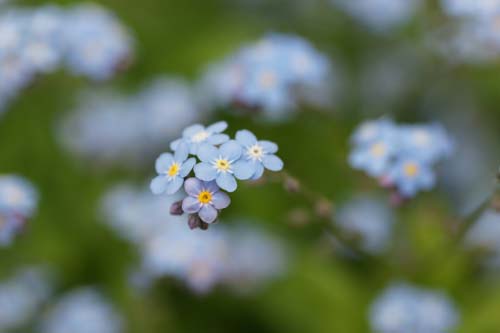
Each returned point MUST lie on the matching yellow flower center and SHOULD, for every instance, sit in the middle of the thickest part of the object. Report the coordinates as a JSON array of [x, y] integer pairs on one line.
[[200, 136], [222, 164], [411, 169], [378, 149], [174, 169], [205, 197]]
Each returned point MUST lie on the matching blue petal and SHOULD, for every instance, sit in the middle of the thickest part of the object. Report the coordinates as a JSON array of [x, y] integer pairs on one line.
[[187, 167], [217, 127], [207, 214], [174, 144], [211, 186], [272, 162], [193, 186], [191, 205], [243, 169], [268, 146], [226, 182], [218, 139], [220, 200], [205, 171], [181, 152], [231, 150], [159, 185], [207, 153], [174, 185], [246, 138], [192, 130], [259, 171], [163, 162]]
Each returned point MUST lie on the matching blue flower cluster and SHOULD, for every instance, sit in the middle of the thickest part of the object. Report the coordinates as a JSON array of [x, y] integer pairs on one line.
[[241, 256], [463, 8], [217, 163], [401, 156], [269, 75], [18, 202], [86, 39], [403, 308], [83, 310], [108, 127], [380, 15]]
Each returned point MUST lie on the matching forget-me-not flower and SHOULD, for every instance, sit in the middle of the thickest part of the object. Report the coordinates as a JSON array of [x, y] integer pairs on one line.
[[197, 135], [172, 169], [17, 196], [223, 164], [410, 175], [259, 153], [204, 198]]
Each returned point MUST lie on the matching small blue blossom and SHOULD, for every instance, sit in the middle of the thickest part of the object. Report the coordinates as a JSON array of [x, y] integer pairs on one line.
[[259, 153], [205, 199], [197, 135], [428, 142], [410, 175], [223, 165], [17, 196], [403, 308], [172, 170]]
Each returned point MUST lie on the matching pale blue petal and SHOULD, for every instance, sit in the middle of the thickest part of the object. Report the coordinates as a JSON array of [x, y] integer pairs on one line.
[[218, 139], [217, 127], [207, 153], [190, 205], [159, 185], [220, 200], [243, 169], [192, 130], [259, 171], [268, 146], [226, 182], [272, 162], [207, 214], [181, 152], [174, 144], [163, 162], [211, 186], [231, 150], [174, 185], [193, 186], [205, 171], [246, 138], [187, 167]]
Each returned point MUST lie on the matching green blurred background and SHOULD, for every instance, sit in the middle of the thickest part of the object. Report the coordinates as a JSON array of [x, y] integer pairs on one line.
[[322, 292]]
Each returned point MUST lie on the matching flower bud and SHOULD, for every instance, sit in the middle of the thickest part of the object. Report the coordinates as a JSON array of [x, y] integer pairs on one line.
[[194, 221], [176, 208]]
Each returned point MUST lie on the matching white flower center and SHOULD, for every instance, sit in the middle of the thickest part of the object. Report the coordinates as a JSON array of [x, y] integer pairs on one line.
[[255, 152], [200, 136]]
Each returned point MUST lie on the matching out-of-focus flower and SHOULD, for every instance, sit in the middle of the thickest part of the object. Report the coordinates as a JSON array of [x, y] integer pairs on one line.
[[259, 153], [471, 8], [400, 156], [172, 170], [37, 41], [111, 128], [484, 236], [202, 259], [204, 198], [270, 75], [96, 43], [403, 308], [367, 220], [22, 296], [223, 165], [18, 202], [196, 135], [82, 311], [381, 15]]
